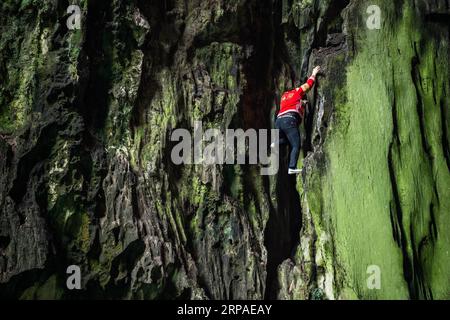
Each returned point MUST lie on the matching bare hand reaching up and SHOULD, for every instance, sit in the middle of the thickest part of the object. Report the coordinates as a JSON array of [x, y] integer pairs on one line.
[[316, 70]]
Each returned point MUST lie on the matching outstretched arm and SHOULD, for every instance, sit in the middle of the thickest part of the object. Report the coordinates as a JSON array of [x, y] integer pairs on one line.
[[310, 83]]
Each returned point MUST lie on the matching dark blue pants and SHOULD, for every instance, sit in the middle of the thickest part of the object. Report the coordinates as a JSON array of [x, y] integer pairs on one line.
[[288, 127]]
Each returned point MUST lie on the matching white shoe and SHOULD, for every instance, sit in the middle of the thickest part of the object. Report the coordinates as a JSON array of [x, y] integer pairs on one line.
[[294, 171]]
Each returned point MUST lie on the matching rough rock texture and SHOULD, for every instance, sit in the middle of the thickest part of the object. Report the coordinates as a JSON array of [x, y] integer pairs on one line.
[[86, 176], [375, 186]]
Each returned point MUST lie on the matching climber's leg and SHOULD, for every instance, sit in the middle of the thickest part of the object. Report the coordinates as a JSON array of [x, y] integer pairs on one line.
[[283, 139], [282, 136], [293, 136], [289, 127]]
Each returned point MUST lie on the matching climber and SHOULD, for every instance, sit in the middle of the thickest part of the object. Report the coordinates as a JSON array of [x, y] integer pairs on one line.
[[289, 118]]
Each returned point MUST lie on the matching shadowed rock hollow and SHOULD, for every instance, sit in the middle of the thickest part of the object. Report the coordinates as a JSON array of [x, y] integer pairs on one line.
[[87, 179]]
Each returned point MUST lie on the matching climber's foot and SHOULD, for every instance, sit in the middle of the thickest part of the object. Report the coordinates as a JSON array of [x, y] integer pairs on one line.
[[294, 171]]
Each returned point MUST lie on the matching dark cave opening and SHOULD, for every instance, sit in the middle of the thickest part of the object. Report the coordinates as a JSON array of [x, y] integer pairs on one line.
[[4, 242], [99, 50], [282, 232]]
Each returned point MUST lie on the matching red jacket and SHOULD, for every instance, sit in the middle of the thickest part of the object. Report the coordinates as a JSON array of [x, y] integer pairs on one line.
[[291, 101]]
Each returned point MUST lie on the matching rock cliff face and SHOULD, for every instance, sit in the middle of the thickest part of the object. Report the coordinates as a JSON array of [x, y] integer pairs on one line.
[[86, 118]]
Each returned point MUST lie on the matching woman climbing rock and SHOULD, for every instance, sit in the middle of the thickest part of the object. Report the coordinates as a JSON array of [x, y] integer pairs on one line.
[[289, 118]]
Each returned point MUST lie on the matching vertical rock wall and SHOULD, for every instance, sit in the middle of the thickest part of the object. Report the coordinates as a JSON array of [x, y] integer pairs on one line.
[[87, 179], [376, 183]]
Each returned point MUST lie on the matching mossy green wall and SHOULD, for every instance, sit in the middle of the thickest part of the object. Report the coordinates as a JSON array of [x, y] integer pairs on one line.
[[381, 197]]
